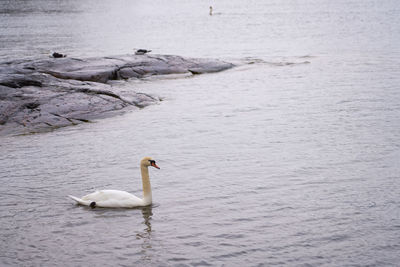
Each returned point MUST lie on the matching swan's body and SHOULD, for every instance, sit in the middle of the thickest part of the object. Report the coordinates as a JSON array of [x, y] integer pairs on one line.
[[111, 199], [121, 199]]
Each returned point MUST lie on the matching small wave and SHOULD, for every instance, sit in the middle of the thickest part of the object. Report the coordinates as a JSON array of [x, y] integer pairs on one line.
[[229, 236], [250, 60], [194, 244], [307, 56], [201, 263], [287, 63], [283, 208], [280, 63], [243, 220], [188, 236], [238, 253], [178, 259], [75, 224]]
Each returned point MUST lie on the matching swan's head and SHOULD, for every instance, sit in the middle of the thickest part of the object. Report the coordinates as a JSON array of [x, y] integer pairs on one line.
[[148, 161]]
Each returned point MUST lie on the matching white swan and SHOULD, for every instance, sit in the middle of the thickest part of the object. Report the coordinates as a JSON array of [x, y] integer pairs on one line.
[[121, 199]]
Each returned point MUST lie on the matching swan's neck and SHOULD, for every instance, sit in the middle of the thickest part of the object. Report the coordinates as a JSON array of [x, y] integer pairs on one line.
[[147, 198]]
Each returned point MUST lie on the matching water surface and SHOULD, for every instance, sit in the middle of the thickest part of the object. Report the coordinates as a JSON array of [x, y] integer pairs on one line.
[[290, 161]]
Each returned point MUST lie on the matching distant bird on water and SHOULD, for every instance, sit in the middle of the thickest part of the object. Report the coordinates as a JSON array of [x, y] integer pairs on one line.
[[142, 51]]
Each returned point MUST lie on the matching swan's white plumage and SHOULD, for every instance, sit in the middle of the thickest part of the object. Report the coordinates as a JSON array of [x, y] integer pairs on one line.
[[121, 199], [111, 199]]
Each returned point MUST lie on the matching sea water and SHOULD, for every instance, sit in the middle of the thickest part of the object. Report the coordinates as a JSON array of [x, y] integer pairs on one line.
[[289, 159]]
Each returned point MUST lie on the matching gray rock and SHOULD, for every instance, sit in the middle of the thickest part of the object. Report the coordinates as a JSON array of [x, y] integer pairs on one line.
[[41, 95]]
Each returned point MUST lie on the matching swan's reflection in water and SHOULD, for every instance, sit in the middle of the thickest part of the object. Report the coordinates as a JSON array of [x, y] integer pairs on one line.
[[145, 234], [147, 212], [142, 242]]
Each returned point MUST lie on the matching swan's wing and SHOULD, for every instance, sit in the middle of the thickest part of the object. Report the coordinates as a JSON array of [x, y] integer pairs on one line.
[[103, 195], [113, 199]]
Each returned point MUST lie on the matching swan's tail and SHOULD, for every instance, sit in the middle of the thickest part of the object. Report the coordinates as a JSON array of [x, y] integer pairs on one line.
[[81, 201]]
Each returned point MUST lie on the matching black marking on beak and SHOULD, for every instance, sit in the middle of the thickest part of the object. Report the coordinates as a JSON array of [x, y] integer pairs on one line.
[[153, 163]]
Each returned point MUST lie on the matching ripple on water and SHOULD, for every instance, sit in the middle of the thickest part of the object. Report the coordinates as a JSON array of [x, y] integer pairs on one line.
[[229, 236], [194, 244], [75, 224], [201, 263]]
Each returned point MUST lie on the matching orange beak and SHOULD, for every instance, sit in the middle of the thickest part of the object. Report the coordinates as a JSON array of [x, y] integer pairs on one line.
[[155, 165]]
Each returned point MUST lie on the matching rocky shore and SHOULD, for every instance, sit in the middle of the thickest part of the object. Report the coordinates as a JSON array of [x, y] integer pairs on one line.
[[41, 95]]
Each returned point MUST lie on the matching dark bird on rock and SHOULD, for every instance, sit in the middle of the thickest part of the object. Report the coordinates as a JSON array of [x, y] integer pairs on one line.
[[58, 55], [142, 51]]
